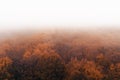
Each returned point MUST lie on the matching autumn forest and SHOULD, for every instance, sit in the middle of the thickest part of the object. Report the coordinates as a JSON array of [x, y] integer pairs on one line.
[[61, 55]]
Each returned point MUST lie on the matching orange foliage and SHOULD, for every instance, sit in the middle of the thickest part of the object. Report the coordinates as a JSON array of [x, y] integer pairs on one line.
[[60, 56]]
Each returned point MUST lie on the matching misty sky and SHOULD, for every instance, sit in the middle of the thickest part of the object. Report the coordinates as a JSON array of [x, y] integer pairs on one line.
[[23, 14]]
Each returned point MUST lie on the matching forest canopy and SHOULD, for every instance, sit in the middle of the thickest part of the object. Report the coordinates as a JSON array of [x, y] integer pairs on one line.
[[61, 56]]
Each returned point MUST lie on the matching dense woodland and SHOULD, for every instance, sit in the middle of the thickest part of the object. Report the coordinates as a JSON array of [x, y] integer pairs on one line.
[[60, 56]]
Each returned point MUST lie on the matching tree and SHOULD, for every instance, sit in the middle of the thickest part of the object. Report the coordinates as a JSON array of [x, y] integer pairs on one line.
[[47, 66], [5, 63], [50, 67], [83, 70], [114, 72]]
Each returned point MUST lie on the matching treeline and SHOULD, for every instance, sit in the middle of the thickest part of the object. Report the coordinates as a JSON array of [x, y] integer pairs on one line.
[[59, 57]]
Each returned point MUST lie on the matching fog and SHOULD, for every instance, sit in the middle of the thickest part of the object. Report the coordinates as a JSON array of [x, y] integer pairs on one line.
[[30, 14]]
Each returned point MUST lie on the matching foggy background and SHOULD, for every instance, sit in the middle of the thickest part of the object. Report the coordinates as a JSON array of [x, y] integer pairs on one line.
[[53, 14]]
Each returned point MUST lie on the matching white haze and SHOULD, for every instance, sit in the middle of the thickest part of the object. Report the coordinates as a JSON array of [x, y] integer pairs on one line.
[[38, 14]]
